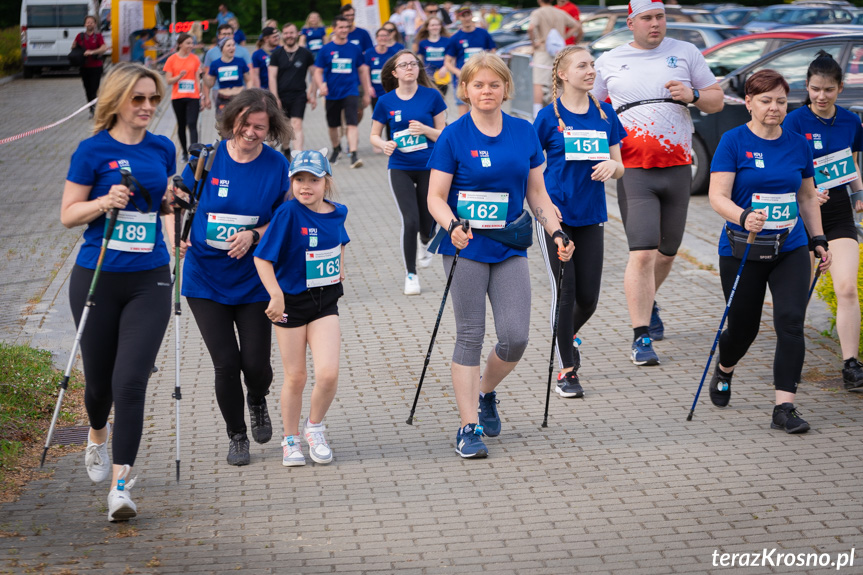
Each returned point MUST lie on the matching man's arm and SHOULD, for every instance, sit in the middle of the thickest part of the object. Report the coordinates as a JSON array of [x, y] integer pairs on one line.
[[710, 99]]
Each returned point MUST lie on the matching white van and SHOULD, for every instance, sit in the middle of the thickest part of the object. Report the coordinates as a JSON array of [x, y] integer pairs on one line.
[[48, 28]]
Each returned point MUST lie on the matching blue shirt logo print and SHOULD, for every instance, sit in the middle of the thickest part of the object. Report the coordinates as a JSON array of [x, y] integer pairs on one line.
[[671, 61]]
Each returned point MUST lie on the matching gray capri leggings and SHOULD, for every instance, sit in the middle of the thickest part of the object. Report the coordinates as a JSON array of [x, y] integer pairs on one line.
[[508, 287], [653, 204]]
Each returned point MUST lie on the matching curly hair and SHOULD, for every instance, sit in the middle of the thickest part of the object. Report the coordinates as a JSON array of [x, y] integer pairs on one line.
[[253, 101]]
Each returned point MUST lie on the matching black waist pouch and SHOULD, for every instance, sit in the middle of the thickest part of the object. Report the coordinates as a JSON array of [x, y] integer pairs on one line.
[[764, 248]]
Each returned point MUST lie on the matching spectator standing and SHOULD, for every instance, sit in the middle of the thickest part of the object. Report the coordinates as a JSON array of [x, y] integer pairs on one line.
[[91, 70], [572, 10], [223, 16], [548, 31], [287, 70]]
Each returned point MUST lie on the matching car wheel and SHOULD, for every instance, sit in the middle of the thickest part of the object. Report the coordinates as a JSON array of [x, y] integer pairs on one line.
[[28, 72], [700, 166]]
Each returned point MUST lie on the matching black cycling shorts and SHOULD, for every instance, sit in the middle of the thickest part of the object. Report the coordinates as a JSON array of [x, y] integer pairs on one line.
[[294, 104], [315, 303], [349, 105]]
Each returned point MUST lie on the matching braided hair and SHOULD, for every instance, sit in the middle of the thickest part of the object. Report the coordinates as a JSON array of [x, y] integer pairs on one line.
[[561, 61]]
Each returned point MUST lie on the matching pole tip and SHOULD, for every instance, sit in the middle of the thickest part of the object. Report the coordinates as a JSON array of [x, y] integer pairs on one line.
[[545, 424], [689, 417], [44, 453], [178, 471], [410, 420]]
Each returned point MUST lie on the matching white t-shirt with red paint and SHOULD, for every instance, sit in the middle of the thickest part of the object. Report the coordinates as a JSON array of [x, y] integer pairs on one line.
[[660, 134]]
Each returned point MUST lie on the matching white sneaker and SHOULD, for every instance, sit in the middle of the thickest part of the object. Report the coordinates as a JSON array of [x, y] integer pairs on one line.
[[412, 284], [120, 504], [424, 256], [96, 459], [319, 449], [292, 452]]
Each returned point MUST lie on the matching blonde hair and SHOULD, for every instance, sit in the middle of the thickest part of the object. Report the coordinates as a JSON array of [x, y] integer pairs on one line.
[[308, 22], [484, 61], [561, 61], [117, 87]]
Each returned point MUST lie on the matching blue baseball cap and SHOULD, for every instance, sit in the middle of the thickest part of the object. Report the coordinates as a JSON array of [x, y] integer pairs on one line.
[[312, 161]]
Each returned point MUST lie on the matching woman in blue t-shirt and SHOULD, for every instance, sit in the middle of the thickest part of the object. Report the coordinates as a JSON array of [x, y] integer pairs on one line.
[[124, 331], [483, 168], [313, 33], [581, 137], [430, 44], [836, 136], [247, 182], [414, 113], [761, 178], [301, 263], [232, 73]]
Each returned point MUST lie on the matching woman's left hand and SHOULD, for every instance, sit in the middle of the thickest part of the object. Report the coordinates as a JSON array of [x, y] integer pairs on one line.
[[603, 171], [564, 253], [823, 195], [241, 243], [825, 258]]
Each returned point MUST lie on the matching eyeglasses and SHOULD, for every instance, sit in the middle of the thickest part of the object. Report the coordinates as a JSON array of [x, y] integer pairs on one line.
[[138, 100], [431, 11], [406, 65]]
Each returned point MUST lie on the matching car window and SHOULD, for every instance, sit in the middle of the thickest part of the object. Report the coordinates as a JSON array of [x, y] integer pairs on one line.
[[619, 23], [724, 60], [691, 36], [72, 15], [842, 16], [794, 63], [44, 16], [612, 40], [854, 69], [593, 29]]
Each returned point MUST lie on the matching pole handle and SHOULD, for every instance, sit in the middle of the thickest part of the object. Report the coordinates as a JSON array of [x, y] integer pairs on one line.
[[751, 238], [199, 167]]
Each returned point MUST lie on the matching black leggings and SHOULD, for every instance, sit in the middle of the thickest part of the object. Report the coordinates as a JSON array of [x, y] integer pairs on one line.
[[582, 279], [251, 355], [91, 77], [788, 278], [119, 347], [186, 110], [410, 190]]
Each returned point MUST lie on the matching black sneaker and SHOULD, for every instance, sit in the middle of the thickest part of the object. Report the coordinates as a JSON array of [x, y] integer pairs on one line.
[[334, 155], [238, 449], [786, 417], [356, 162], [568, 385], [262, 427], [852, 375], [720, 387]]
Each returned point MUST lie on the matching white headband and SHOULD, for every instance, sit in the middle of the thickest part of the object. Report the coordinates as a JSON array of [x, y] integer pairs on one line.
[[636, 7]]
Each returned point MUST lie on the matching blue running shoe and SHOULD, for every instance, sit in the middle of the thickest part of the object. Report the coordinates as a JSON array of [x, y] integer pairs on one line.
[[656, 330], [642, 352], [468, 442], [488, 417]]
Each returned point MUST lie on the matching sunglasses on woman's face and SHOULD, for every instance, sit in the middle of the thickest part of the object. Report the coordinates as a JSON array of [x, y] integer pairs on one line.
[[139, 99]]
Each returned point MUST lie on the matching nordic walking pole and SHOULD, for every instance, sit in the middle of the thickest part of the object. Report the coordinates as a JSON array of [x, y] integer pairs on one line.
[[749, 241], [64, 384], [814, 280], [464, 226], [177, 395], [554, 335]]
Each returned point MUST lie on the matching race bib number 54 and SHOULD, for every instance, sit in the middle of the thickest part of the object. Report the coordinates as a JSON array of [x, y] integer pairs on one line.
[[781, 209]]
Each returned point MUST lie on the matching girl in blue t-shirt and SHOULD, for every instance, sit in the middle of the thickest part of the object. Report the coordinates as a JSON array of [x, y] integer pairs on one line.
[[483, 168], [430, 45], [836, 136], [247, 182], [123, 332], [232, 73], [761, 179], [414, 113], [301, 264], [581, 137], [313, 33]]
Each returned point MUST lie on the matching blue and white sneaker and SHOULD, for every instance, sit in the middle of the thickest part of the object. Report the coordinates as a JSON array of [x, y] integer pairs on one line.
[[489, 419], [468, 442], [656, 329], [642, 352]]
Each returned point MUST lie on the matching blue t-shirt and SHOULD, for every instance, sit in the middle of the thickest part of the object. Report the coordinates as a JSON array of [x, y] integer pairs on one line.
[[846, 132], [376, 62], [260, 60], [360, 38], [341, 65], [295, 232], [314, 38], [462, 45], [479, 163], [97, 163], [433, 53], [239, 37], [396, 113], [234, 194], [763, 167], [581, 201], [229, 74], [215, 53]]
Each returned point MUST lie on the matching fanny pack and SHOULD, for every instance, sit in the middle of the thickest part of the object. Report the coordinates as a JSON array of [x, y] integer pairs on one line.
[[625, 107], [518, 234], [765, 248]]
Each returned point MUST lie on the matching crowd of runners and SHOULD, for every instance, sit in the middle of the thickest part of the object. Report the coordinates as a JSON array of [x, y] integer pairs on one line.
[[268, 246]]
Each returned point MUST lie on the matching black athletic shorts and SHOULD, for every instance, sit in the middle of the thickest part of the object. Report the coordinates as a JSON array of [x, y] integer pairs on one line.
[[349, 105], [315, 303], [294, 104], [837, 216]]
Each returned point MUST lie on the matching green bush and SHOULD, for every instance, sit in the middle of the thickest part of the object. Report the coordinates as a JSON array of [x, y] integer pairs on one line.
[[826, 293], [10, 50]]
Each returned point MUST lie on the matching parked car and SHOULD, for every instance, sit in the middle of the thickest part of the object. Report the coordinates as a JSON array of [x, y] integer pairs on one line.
[[48, 28], [792, 62], [736, 52], [701, 35], [513, 29], [737, 16], [608, 19], [796, 15]]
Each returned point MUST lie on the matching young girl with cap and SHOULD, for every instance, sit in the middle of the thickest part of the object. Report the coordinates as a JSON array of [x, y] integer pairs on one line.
[[300, 262]]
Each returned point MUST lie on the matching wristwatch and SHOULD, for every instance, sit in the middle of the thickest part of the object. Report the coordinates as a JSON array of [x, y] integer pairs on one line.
[[695, 95], [256, 236]]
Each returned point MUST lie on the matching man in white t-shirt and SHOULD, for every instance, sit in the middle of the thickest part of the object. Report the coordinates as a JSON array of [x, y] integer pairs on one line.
[[651, 81]]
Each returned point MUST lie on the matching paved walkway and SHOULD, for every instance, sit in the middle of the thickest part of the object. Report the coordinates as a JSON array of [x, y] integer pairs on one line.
[[618, 483]]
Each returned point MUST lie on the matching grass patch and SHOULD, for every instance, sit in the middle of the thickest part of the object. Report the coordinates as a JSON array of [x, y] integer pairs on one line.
[[28, 392], [10, 51]]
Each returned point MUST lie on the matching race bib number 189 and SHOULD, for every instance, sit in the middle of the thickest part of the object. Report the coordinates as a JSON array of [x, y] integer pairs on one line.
[[133, 232]]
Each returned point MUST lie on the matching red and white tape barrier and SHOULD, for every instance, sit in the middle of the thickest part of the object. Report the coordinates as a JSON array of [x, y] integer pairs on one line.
[[48, 127]]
